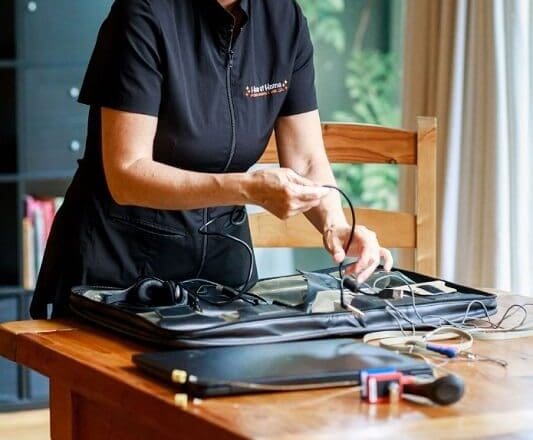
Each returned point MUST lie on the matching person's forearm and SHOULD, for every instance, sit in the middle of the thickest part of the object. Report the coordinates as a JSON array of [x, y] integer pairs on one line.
[[155, 185], [301, 148], [329, 213]]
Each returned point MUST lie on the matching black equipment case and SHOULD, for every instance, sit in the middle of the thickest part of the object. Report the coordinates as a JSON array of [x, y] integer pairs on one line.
[[274, 310]]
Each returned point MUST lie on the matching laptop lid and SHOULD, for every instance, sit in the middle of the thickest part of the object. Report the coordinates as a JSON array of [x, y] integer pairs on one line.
[[320, 363]]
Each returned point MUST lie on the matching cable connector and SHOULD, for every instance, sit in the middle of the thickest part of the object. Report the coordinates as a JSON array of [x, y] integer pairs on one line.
[[179, 376], [181, 400], [358, 313]]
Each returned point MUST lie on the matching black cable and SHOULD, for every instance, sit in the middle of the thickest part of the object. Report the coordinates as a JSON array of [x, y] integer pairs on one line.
[[348, 243], [224, 290], [242, 293], [203, 230], [239, 293]]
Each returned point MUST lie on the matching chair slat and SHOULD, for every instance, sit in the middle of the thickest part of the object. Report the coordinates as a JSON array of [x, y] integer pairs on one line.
[[359, 143], [426, 176], [395, 229]]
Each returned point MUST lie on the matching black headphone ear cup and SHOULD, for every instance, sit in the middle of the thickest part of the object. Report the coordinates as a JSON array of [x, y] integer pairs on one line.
[[177, 295], [147, 290]]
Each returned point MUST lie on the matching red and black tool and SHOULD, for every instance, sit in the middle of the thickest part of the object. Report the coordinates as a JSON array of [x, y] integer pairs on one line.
[[388, 385]]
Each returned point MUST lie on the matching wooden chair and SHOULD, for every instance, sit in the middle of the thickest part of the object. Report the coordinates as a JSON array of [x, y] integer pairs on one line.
[[357, 143]]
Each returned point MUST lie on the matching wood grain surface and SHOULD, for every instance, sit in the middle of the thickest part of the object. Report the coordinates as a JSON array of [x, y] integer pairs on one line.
[[360, 143], [395, 229], [98, 393], [426, 200]]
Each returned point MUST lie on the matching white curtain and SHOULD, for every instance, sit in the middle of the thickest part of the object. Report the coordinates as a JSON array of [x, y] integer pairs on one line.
[[481, 89]]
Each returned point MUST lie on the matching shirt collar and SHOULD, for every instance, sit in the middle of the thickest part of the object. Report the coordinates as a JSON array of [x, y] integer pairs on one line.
[[220, 13]]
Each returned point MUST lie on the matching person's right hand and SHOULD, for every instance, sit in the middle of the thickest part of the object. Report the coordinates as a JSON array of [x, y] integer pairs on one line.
[[283, 192]]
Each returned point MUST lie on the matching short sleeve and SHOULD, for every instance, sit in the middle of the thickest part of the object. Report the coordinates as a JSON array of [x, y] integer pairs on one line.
[[301, 96], [125, 71]]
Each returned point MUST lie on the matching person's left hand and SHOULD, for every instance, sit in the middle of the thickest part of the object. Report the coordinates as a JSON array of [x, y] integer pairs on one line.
[[364, 246]]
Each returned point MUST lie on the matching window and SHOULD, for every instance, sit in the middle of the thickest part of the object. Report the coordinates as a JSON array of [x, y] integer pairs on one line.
[[358, 58]]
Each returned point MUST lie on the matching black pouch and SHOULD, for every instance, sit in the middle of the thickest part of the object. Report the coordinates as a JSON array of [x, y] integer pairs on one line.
[[275, 310]]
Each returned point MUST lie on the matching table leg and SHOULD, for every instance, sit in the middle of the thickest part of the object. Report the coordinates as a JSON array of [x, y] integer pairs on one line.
[[61, 414], [77, 415]]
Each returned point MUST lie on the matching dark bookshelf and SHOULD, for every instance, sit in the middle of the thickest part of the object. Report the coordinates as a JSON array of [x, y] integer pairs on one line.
[[7, 34], [8, 64], [44, 49], [8, 116], [11, 290]]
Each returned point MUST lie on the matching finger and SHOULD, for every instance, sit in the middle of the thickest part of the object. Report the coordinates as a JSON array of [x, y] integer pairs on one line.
[[350, 269], [365, 260], [364, 274], [301, 181], [303, 206], [308, 193], [366, 265], [335, 247], [360, 275], [388, 261]]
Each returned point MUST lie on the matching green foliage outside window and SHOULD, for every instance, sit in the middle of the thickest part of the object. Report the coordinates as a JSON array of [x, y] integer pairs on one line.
[[370, 81], [324, 23]]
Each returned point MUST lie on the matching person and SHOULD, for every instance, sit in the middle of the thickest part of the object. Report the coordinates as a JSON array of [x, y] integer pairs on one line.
[[184, 96]]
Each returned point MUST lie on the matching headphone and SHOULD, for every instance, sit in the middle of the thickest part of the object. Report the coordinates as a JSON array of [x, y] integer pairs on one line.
[[155, 292], [150, 292]]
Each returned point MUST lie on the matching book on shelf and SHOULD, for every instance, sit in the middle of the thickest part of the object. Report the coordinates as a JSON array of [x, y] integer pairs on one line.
[[28, 250], [36, 225]]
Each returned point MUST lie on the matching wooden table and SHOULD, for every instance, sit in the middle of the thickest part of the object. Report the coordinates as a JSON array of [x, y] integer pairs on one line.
[[97, 393]]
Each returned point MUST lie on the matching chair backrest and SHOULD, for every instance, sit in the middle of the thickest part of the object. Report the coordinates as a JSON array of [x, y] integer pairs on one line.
[[365, 144]]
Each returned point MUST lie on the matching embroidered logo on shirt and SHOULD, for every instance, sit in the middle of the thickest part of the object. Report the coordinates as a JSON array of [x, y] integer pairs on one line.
[[266, 89]]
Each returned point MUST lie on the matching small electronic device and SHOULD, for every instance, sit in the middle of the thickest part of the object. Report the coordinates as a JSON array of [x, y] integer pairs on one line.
[[429, 288], [386, 385], [258, 368]]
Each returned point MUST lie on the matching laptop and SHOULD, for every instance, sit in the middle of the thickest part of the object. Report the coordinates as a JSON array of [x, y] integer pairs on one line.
[[222, 371]]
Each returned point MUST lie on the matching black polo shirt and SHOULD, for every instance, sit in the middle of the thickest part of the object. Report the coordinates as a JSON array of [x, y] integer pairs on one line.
[[217, 92]]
